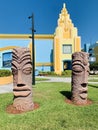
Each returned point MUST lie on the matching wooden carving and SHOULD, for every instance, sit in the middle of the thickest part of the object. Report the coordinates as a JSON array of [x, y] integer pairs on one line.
[[80, 72], [22, 79]]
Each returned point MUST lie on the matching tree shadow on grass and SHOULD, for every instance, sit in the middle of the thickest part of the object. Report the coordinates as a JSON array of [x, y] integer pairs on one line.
[[67, 94], [94, 86]]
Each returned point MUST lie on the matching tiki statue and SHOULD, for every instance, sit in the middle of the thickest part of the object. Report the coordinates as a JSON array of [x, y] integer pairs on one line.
[[80, 72], [22, 79]]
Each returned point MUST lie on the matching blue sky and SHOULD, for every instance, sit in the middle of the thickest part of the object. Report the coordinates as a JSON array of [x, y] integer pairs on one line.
[[14, 16]]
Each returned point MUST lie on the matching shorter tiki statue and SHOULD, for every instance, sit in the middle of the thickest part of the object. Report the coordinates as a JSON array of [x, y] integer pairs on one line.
[[80, 72], [22, 79]]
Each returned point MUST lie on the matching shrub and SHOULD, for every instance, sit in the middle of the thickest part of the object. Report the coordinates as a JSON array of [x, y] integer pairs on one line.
[[67, 73], [5, 73], [45, 73]]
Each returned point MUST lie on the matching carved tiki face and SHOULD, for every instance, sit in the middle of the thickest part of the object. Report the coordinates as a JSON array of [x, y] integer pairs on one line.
[[22, 67], [22, 78], [80, 72]]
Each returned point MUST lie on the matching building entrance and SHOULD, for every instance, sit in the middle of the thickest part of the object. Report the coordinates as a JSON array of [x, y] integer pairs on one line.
[[67, 65]]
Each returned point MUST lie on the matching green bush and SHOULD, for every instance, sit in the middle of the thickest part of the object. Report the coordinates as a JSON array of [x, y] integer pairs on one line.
[[46, 73], [51, 73], [67, 73], [5, 73]]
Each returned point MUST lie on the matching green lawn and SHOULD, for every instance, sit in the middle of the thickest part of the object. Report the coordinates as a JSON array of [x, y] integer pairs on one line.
[[93, 80], [41, 79], [54, 113]]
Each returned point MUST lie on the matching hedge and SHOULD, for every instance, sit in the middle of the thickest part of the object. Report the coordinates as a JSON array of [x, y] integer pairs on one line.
[[5, 73]]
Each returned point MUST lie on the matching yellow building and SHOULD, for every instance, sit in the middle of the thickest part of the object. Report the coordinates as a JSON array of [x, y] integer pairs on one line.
[[57, 48], [66, 42]]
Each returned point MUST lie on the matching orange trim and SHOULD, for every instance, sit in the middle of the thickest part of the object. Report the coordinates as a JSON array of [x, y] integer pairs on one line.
[[6, 80]]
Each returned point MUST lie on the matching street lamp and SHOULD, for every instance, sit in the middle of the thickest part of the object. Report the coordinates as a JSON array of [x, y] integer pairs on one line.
[[33, 50]]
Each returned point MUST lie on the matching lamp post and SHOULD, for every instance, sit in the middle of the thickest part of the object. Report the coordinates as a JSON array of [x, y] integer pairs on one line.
[[33, 50]]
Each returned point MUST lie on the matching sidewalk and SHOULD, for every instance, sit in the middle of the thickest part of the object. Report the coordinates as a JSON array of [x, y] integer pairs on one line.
[[54, 79], [9, 87], [6, 88]]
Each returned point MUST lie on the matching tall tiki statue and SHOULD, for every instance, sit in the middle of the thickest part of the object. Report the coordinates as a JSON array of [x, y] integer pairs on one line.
[[80, 72], [22, 79]]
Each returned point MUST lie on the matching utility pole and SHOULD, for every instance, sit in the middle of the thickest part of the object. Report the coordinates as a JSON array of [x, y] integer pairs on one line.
[[33, 50]]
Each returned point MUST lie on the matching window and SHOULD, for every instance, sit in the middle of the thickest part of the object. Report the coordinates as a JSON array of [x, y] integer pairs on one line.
[[67, 49], [7, 59]]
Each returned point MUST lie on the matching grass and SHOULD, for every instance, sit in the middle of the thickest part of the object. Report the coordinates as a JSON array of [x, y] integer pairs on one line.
[[94, 76], [41, 79], [54, 113], [93, 80]]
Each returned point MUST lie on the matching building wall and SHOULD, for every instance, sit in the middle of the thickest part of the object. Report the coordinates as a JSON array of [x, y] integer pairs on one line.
[[66, 42], [92, 49], [86, 47], [96, 51]]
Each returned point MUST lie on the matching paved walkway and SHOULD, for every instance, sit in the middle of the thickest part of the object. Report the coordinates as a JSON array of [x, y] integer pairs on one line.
[[6, 88], [9, 87], [54, 79]]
